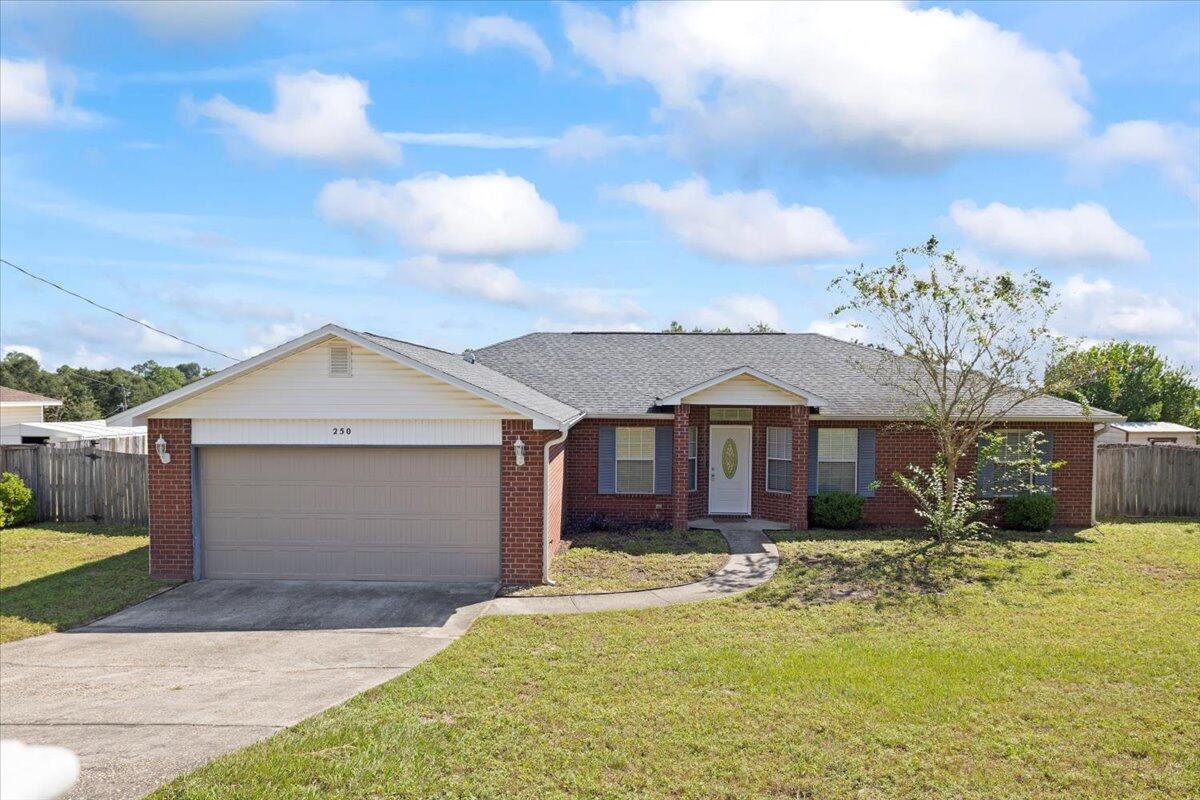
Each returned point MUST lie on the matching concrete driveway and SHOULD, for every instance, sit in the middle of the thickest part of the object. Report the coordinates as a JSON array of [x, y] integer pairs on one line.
[[164, 686]]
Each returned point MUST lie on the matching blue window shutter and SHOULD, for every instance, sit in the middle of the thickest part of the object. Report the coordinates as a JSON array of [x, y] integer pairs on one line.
[[1043, 482], [866, 461], [987, 471], [607, 471], [664, 438], [812, 461]]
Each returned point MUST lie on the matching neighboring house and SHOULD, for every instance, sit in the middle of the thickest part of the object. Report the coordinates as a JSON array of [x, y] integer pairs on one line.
[[93, 432], [17, 407], [347, 455], [1148, 433]]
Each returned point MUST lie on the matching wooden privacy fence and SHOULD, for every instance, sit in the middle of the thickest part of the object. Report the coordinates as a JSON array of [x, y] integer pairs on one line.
[[78, 484], [1138, 480]]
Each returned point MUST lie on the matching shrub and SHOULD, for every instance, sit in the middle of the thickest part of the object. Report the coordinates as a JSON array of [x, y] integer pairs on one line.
[[837, 510], [16, 501], [951, 512], [1029, 511]]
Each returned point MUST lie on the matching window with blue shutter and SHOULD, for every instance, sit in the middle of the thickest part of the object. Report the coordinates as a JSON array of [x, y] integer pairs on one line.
[[664, 456], [607, 468], [866, 461]]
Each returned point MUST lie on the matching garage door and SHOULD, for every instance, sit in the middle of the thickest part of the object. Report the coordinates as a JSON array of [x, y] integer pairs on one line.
[[350, 513]]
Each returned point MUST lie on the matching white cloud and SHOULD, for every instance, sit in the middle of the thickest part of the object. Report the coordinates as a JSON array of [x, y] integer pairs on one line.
[[27, 96], [734, 311], [1172, 149], [501, 285], [751, 227], [199, 20], [502, 31], [492, 215], [315, 116], [576, 142], [890, 77], [481, 141], [844, 329], [1100, 309], [1084, 233], [264, 337], [154, 343], [33, 352]]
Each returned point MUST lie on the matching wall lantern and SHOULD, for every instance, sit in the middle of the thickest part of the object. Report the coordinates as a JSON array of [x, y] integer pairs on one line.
[[160, 447], [519, 447]]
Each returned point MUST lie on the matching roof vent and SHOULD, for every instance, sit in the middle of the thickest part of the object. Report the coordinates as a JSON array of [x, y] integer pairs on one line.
[[469, 356], [339, 360]]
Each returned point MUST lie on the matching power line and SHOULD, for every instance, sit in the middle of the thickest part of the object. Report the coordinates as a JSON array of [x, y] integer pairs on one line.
[[114, 311]]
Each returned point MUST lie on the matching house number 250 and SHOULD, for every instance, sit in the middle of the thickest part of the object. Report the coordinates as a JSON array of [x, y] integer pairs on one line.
[[341, 431]]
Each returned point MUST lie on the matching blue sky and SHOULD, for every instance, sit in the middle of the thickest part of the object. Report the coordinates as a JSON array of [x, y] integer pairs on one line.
[[239, 173]]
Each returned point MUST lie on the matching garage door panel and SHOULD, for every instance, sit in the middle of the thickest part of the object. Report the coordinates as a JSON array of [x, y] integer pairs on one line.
[[350, 513]]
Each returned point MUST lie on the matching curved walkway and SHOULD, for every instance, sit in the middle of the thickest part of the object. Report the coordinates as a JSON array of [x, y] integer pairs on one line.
[[752, 561]]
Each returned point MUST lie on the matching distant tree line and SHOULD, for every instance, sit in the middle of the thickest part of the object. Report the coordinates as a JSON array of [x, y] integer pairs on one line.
[[1134, 380], [95, 393]]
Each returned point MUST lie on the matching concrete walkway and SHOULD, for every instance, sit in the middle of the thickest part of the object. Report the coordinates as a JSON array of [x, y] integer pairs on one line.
[[169, 684], [752, 561]]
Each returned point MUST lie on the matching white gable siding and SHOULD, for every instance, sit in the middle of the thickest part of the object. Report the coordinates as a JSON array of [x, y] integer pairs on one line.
[[300, 387], [11, 415], [743, 390]]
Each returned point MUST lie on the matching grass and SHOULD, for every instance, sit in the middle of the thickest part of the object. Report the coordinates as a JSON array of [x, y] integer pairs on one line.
[[605, 561], [57, 576], [869, 668]]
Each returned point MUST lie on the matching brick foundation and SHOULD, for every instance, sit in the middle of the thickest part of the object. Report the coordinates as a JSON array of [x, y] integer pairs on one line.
[[170, 500]]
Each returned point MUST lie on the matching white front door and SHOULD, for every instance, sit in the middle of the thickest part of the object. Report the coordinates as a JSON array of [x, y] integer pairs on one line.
[[729, 469]]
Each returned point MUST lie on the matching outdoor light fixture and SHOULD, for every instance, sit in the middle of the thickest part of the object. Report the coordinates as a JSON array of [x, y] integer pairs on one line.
[[160, 447], [519, 447]]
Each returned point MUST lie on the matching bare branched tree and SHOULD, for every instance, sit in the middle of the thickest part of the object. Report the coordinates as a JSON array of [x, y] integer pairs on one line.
[[973, 346]]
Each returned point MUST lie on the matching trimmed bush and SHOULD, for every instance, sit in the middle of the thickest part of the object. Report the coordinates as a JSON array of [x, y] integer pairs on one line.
[[1029, 511], [16, 501], [837, 510]]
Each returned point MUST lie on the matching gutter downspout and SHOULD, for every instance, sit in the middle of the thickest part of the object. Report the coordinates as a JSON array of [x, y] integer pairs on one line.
[[1096, 434], [562, 437]]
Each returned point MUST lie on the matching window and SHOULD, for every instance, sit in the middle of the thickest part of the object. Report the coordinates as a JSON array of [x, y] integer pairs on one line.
[[1009, 479], [1162, 440], [730, 415], [779, 459], [692, 459], [837, 460], [635, 460], [339, 360]]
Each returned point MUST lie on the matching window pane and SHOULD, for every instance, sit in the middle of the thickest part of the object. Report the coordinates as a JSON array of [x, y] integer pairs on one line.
[[837, 444], [779, 475], [635, 476], [691, 442], [692, 474], [836, 476], [635, 442], [779, 443], [731, 414]]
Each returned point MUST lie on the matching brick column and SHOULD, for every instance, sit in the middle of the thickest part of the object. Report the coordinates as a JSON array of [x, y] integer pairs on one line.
[[170, 500], [521, 502], [679, 469], [798, 512]]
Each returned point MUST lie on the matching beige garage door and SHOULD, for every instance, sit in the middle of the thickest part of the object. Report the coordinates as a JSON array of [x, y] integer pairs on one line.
[[350, 513]]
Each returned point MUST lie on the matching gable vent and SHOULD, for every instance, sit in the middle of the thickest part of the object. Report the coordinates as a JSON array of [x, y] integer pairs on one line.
[[339, 360]]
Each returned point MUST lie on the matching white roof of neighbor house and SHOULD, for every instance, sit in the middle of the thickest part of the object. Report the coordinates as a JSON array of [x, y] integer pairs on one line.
[[84, 429], [1152, 427]]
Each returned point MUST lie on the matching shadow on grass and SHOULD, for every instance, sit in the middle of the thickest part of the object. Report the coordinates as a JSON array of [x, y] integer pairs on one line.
[[650, 542], [83, 593], [890, 565]]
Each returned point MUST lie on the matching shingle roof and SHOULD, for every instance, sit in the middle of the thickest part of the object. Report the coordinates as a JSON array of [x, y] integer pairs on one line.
[[8, 395], [480, 376], [621, 373]]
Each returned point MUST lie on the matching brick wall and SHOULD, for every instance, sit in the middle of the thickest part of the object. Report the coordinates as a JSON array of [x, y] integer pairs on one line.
[[521, 502], [170, 499], [897, 447], [582, 498]]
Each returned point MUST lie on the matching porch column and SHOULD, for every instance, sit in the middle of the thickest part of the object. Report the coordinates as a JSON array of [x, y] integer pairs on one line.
[[679, 469], [798, 513]]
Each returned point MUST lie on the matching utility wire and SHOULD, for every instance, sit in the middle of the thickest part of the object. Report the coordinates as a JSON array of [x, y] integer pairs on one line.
[[114, 311]]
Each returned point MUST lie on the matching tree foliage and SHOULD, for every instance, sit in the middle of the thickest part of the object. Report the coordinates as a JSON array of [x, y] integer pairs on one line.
[[1134, 380], [973, 345], [758, 327], [95, 393]]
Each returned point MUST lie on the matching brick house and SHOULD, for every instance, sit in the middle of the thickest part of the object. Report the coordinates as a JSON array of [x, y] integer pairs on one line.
[[347, 455]]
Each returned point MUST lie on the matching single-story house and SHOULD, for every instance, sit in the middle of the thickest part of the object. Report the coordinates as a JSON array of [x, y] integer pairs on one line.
[[94, 432], [349, 455], [16, 407], [1148, 433]]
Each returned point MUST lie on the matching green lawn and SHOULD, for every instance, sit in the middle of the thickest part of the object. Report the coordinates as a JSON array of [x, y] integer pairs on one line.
[[608, 561], [56, 576], [1062, 668]]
